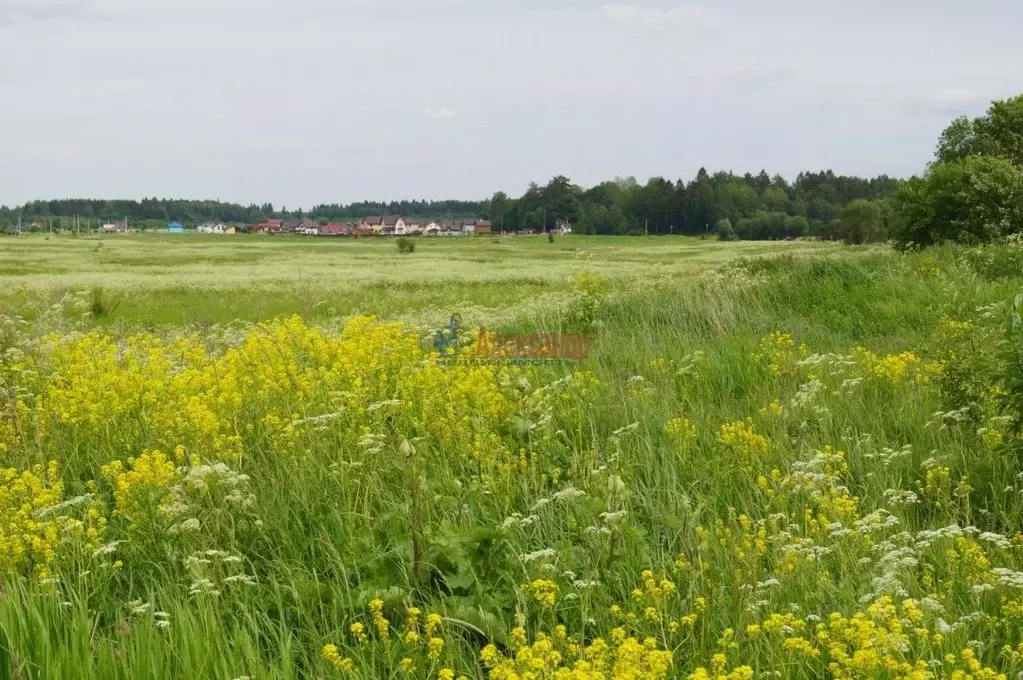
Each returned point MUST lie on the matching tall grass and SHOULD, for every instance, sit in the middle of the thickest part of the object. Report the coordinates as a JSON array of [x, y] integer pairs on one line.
[[361, 482]]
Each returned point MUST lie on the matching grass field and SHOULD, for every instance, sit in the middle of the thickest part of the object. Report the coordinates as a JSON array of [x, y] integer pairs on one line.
[[174, 279], [788, 460]]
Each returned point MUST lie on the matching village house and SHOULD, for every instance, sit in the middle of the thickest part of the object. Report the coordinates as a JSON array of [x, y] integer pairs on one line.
[[393, 225], [212, 228], [375, 223], [449, 228], [118, 227], [176, 227], [268, 227]]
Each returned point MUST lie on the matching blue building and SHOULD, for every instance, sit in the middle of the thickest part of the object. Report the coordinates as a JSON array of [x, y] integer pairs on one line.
[[175, 228]]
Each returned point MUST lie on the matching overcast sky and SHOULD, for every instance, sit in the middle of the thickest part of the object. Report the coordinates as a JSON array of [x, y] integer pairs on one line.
[[307, 101]]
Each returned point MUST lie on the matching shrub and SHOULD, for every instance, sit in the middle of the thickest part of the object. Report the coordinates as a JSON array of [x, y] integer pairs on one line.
[[771, 226], [862, 221], [725, 231], [406, 245]]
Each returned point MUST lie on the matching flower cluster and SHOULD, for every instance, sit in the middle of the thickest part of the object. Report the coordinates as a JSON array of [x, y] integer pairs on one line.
[[560, 656], [779, 353]]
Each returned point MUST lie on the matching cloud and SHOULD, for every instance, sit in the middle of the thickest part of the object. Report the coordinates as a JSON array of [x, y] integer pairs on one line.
[[439, 113], [655, 17], [41, 10]]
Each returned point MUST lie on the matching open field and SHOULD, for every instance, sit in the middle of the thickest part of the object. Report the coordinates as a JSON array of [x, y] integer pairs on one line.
[[788, 460], [161, 278]]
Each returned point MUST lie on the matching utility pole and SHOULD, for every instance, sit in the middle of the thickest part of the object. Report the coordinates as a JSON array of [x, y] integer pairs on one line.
[[646, 227]]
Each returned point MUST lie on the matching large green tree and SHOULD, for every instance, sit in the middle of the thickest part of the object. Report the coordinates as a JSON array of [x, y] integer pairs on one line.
[[999, 133], [971, 200]]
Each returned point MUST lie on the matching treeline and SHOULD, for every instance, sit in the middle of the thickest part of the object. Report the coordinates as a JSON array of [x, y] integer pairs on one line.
[[748, 206], [148, 209], [156, 212], [433, 210]]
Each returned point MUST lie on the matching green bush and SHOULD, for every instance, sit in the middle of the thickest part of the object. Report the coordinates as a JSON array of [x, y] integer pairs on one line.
[[406, 245], [862, 221], [974, 200], [771, 226], [725, 231]]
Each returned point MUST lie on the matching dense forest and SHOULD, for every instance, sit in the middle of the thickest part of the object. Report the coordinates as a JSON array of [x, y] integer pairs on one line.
[[972, 192]]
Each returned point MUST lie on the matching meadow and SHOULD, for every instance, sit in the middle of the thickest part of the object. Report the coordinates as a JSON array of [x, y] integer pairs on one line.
[[245, 458]]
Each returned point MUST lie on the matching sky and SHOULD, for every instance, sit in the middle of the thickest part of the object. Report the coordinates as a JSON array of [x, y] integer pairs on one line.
[[301, 102]]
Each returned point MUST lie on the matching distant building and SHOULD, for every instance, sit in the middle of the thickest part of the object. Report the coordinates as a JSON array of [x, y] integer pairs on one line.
[[375, 223], [269, 227], [431, 229], [413, 227], [290, 226], [448, 228], [176, 227], [116, 227], [212, 228], [483, 227], [308, 227], [393, 224]]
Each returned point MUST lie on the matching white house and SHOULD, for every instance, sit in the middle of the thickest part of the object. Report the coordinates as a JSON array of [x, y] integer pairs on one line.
[[394, 224], [431, 229], [308, 227], [212, 228], [413, 227]]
